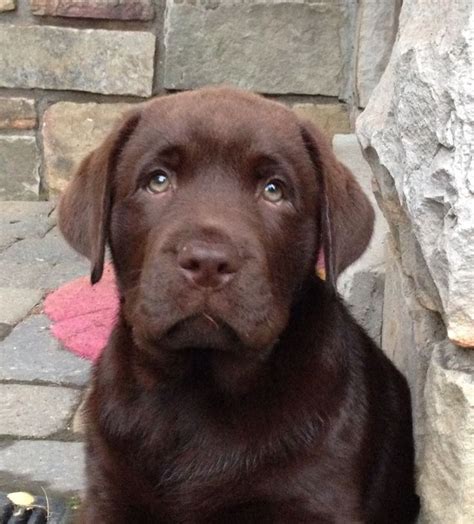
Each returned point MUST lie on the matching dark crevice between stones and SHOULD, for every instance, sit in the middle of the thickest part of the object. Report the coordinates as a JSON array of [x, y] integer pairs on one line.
[[5, 330]]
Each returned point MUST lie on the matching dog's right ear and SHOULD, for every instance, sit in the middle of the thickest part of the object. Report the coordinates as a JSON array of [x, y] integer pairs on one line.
[[86, 204]]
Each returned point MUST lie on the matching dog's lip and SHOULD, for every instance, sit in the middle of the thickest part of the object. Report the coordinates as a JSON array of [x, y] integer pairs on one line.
[[204, 331]]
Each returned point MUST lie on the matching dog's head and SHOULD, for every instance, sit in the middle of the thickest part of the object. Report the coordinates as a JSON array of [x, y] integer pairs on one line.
[[215, 205]]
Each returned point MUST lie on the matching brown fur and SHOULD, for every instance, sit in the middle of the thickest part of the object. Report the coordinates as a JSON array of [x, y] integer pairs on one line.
[[235, 387]]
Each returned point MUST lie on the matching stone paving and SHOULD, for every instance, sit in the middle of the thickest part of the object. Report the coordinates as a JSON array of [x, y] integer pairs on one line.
[[41, 384]]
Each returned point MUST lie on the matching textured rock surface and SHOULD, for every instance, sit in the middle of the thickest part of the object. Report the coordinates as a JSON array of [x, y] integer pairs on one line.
[[7, 5], [109, 62], [35, 411], [19, 177], [19, 220], [418, 134], [17, 113], [15, 304], [112, 9], [70, 132], [377, 29], [58, 467], [408, 334], [258, 45], [331, 118], [31, 353], [362, 283], [447, 478]]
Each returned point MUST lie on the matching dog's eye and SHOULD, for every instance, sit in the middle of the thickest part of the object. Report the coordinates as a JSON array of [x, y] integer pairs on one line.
[[273, 191], [159, 182]]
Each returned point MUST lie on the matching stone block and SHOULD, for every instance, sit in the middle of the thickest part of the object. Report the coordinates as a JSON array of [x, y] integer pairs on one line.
[[19, 220], [34, 411], [447, 469], [52, 248], [31, 353], [377, 30], [57, 467], [109, 9], [417, 132], [15, 304], [331, 118], [7, 5], [17, 113], [19, 177], [94, 60], [266, 46], [70, 132]]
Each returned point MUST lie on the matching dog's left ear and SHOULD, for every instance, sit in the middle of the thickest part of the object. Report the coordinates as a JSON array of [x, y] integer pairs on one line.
[[85, 206], [346, 215]]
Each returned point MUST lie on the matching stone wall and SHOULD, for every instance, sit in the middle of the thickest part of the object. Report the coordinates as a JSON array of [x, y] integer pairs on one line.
[[68, 68], [417, 133]]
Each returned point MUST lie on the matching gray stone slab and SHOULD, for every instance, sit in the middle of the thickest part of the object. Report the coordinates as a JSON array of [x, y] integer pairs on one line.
[[31, 353], [271, 47], [17, 113], [15, 304], [95, 60], [64, 272], [21, 219], [40, 274], [26, 218], [19, 177], [108, 9], [29, 275], [51, 248], [57, 467], [36, 411]]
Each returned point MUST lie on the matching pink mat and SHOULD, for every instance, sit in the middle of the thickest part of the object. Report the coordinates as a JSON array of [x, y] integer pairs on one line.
[[83, 315]]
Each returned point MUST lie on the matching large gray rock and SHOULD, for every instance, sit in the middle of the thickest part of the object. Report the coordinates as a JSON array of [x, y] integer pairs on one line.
[[447, 467], [377, 29], [19, 177], [408, 334], [95, 60], [272, 47], [418, 134]]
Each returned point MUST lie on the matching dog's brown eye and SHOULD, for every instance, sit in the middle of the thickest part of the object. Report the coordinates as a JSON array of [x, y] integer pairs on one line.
[[159, 182], [273, 191]]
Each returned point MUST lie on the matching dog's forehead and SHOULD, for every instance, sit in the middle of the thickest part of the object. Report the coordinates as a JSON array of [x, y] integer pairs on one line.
[[220, 116]]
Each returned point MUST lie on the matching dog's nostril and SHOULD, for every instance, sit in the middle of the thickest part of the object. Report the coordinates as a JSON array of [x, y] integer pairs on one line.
[[190, 263], [208, 265], [224, 268]]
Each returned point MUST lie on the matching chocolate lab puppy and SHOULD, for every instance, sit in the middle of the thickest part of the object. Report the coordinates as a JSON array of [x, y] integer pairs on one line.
[[235, 387]]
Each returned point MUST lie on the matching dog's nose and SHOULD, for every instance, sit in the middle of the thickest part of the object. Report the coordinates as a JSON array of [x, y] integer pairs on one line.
[[208, 265]]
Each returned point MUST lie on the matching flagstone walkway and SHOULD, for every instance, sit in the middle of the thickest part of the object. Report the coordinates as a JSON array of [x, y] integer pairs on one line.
[[41, 384]]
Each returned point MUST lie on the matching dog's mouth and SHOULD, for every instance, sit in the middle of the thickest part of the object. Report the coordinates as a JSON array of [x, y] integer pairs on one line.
[[201, 331]]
